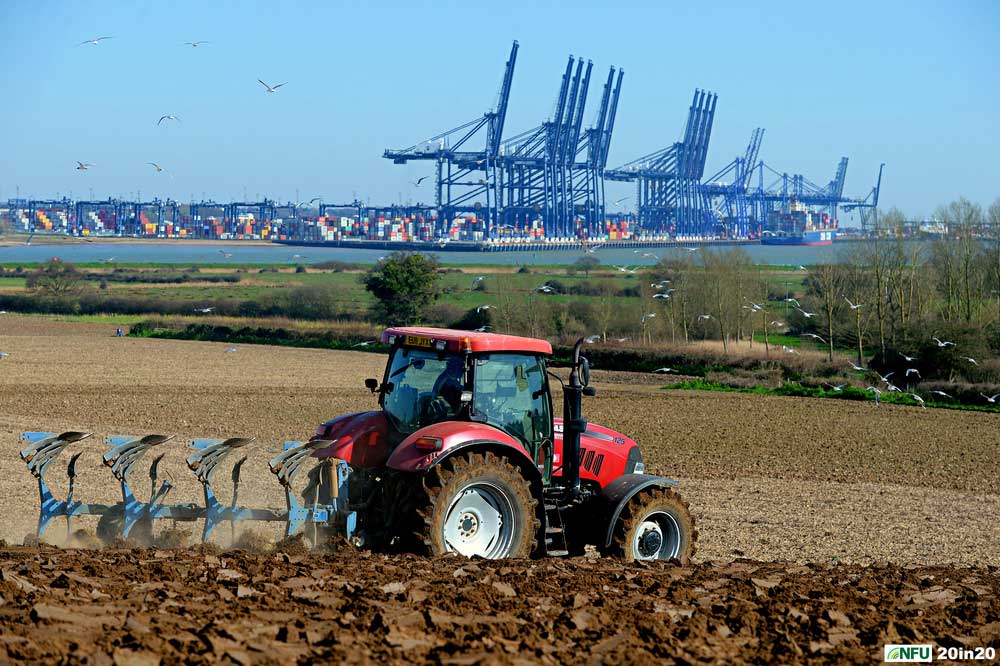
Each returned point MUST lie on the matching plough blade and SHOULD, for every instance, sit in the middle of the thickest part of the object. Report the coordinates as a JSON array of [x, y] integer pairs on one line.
[[323, 507]]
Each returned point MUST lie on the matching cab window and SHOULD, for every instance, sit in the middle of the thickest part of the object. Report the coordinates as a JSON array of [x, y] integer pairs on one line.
[[510, 393]]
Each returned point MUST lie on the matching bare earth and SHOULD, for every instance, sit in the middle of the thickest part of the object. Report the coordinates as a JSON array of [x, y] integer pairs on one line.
[[780, 481]]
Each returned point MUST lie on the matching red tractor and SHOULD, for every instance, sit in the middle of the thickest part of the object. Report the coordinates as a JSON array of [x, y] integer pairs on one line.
[[466, 455]]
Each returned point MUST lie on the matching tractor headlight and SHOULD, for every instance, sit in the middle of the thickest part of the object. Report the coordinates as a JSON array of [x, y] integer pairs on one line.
[[640, 468]]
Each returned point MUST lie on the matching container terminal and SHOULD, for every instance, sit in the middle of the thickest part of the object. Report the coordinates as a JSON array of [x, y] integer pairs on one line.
[[541, 188]]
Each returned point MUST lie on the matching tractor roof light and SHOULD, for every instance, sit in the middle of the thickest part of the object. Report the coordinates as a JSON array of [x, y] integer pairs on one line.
[[440, 345], [392, 339], [465, 344]]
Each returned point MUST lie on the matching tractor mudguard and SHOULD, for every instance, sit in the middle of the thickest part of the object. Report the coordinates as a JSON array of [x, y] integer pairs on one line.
[[360, 439], [616, 496], [415, 453]]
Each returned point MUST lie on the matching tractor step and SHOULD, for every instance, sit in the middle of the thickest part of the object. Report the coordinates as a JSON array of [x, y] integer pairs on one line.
[[555, 532]]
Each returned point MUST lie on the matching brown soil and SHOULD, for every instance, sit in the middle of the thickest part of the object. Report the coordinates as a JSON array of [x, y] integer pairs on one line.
[[857, 520]]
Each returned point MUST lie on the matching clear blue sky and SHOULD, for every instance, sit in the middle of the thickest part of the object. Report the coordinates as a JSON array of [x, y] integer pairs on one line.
[[913, 84]]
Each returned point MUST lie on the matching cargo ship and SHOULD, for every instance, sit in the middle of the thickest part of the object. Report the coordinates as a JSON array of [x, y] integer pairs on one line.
[[799, 226]]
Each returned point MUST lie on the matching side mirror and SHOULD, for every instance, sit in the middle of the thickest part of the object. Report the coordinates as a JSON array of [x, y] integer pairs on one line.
[[584, 371], [371, 384]]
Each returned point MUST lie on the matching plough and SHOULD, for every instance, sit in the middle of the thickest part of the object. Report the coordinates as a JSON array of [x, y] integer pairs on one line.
[[322, 510]]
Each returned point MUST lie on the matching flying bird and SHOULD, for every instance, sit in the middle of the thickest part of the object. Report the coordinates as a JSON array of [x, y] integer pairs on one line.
[[545, 289], [813, 335], [4, 355], [912, 371], [94, 42], [592, 339], [691, 249], [788, 350], [484, 307], [659, 285], [649, 315], [155, 166], [168, 117], [298, 256], [909, 359], [482, 329], [875, 391], [663, 370], [971, 360], [805, 314], [417, 182], [991, 399], [593, 248], [476, 281], [270, 89], [941, 393], [197, 44], [792, 300], [918, 399], [802, 268], [885, 379], [108, 260], [621, 339], [204, 310], [704, 316], [943, 343], [838, 387], [364, 344], [230, 350], [83, 166], [225, 254], [853, 306], [777, 323], [661, 295]]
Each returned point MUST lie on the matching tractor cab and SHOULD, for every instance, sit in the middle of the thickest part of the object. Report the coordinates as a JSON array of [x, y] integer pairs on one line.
[[438, 375]]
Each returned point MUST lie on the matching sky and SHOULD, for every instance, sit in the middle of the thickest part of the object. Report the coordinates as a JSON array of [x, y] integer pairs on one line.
[[915, 85]]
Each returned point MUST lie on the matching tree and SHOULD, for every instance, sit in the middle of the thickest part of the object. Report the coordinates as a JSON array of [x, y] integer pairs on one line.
[[56, 278], [404, 284], [993, 220], [586, 263]]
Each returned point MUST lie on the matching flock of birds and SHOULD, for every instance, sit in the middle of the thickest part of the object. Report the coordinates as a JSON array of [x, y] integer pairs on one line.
[[84, 166]]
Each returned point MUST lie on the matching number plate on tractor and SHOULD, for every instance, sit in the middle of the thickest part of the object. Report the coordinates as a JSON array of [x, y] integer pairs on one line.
[[418, 341]]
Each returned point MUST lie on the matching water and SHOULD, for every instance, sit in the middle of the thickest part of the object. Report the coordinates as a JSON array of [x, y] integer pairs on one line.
[[189, 254]]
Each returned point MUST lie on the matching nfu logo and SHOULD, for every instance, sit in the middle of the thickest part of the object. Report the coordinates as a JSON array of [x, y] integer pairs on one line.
[[908, 653]]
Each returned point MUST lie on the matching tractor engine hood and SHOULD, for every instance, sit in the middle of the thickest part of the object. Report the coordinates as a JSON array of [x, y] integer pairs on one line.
[[361, 439], [604, 453]]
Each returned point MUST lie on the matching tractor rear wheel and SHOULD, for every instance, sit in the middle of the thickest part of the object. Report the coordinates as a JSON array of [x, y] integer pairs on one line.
[[656, 525], [479, 505]]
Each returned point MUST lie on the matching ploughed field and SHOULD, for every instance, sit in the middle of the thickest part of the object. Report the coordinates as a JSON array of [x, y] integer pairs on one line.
[[826, 528]]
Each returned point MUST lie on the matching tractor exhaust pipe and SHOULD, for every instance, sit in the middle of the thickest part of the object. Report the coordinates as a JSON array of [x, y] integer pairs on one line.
[[574, 425]]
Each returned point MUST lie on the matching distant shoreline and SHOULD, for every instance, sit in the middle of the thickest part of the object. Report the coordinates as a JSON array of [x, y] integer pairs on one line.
[[19, 239]]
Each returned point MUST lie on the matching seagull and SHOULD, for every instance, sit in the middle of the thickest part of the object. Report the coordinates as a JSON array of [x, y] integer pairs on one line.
[[992, 399], [108, 260], [838, 387], [204, 310], [853, 306], [592, 339], [661, 295], [705, 316], [875, 391], [618, 201], [909, 359], [225, 254], [918, 399], [777, 323], [94, 42], [84, 165], [660, 284], [625, 269], [484, 307], [621, 339], [230, 350], [805, 314], [788, 350], [942, 393], [802, 268], [650, 315], [792, 300], [168, 117], [3, 312], [813, 335], [650, 255], [270, 89], [691, 249], [593, 248], [30, 236], [482, 329], [197, 44], [4, 355], [885, 379], [476, 281], [546, 289], [970, 360], [892, 387], [663, 370], [156, 166], [943, 343], [298, 256], [912, 371], [417, 182], [364, 344], [859, 368]]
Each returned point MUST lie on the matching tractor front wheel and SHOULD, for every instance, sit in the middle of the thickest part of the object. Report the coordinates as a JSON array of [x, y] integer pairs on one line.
[[656, 525], [479, 505]]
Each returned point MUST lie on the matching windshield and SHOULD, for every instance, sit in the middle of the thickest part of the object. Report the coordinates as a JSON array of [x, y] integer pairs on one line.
[[426, 388], [510, 393]]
